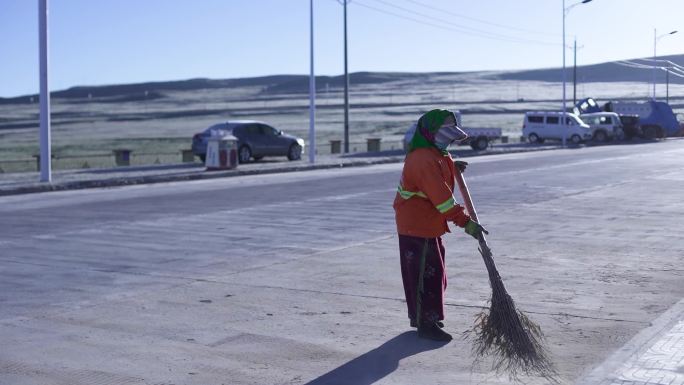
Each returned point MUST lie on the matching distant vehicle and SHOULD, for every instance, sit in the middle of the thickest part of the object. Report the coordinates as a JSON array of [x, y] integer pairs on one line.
[[605, 126], [255, 140], [478, 138], [542, 125], [656, 119]]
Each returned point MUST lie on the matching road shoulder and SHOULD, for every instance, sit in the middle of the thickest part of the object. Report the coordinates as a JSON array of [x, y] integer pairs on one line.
[[654, 356]]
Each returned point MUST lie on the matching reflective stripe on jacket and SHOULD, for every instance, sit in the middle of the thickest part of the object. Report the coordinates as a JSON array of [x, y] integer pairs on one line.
[[408, 194], [442, 207], [424, 201]]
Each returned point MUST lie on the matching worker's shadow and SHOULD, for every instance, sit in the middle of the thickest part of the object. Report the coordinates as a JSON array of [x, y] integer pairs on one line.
[[379, 362]]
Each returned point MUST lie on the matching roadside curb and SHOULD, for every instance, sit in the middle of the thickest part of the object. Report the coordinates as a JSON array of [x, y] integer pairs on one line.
[[150, 179], [203, 175], [606, 372]]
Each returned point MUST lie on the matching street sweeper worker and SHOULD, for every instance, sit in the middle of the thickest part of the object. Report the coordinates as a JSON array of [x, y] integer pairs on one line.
[[423, 205]]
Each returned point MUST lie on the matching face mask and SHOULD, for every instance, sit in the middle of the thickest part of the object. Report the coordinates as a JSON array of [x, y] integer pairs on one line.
[[447, 135]]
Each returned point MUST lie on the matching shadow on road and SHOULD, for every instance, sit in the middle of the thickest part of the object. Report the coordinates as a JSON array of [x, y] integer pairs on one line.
[[377, 363]]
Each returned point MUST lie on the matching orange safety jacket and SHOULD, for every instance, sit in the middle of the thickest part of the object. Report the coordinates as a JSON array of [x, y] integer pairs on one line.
[[425, 201]]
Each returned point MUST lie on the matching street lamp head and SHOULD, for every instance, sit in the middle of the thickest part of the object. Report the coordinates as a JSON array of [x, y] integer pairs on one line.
[[567, 9], [673, 32]]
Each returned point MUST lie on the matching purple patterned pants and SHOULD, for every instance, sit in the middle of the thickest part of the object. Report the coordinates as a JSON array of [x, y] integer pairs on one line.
[[423, 272]]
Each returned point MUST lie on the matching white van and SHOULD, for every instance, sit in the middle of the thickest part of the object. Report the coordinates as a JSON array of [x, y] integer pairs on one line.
[[539, 126], [604, 125]]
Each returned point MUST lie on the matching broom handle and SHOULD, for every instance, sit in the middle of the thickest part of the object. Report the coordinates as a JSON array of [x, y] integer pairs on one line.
[[484, 248], [467, 199]]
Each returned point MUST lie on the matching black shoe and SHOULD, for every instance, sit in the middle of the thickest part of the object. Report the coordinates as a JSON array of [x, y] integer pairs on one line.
[[415, 325], [433, 332]]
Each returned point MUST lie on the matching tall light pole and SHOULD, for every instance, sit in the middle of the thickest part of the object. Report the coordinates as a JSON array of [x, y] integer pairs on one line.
[[346, 81], [574, 74], [655, 43], [45, 150], [564, 119], [312, 89]]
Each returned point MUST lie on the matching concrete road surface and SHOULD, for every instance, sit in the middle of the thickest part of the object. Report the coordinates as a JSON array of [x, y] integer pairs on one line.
[[294, 278]]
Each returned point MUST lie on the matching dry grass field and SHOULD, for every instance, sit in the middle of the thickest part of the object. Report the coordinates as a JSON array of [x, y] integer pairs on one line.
[[156, 121]]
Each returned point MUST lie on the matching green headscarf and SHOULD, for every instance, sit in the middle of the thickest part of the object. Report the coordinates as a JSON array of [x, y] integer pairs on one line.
[[430, 122]]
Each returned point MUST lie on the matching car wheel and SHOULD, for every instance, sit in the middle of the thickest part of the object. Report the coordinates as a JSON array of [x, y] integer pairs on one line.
[[203, 157], [295, 152], [480, 144], [244, 154], [534, 138], [575, 139], [600, 136]]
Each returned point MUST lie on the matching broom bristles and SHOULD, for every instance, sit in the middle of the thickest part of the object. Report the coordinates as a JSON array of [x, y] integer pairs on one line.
[[513, 340], [505, 332]]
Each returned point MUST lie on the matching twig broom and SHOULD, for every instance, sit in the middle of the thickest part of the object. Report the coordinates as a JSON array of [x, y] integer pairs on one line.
[[505, 332]]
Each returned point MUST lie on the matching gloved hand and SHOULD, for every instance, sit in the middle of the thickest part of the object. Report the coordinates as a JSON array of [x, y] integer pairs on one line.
[[475, 229], [461, 165]]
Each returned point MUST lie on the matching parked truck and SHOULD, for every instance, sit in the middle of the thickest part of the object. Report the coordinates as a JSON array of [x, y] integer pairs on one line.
[[478, 137], [656, 119]]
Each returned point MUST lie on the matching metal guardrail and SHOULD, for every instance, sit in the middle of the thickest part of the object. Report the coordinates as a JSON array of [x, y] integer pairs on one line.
[[97, 160], [123, 157], [336, 146]]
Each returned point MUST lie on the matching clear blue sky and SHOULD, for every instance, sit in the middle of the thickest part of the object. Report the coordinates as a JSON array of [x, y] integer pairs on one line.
[[95, 42]]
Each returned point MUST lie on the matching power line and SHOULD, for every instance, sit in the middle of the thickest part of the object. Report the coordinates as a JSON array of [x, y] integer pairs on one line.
[[677, 74], [463, 30], [674, 71], [673, 64], [626, 63], [467, 30], [479, 20], [448, 22]]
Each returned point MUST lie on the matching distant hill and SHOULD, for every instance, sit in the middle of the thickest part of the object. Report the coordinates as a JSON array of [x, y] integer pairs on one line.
[[297, 84], [604, 72], [301, 84], [271, 84], [152, 90]]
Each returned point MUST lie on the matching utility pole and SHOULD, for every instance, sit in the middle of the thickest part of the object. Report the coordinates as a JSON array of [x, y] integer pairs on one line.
[[574, 77], [346, 81], [574, 73], [312, 90], [564, 116], [667, 85], [45, 143]]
